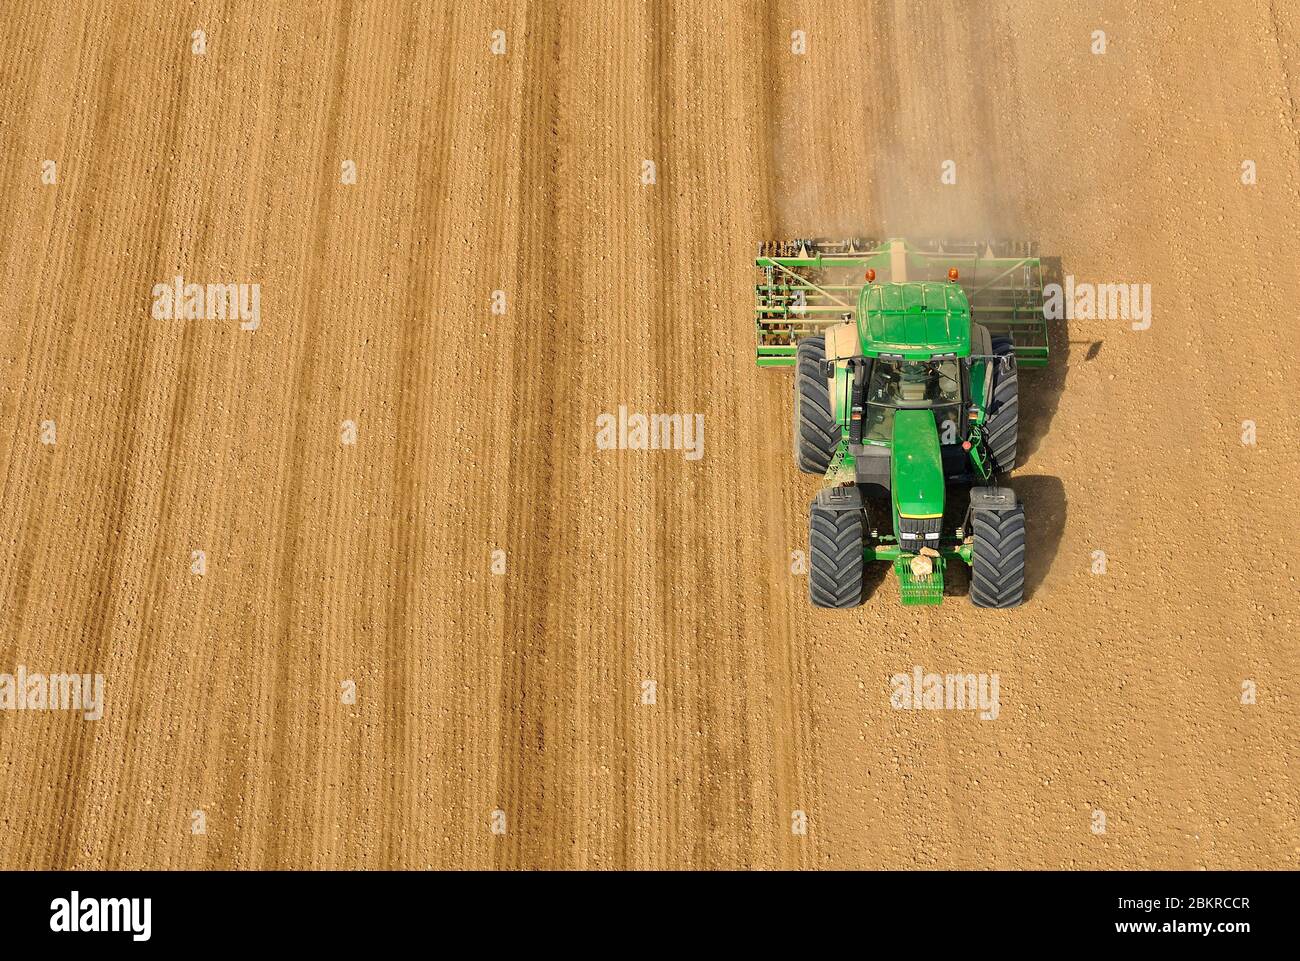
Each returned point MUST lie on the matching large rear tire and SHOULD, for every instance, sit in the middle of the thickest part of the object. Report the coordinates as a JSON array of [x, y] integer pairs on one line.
[[837, 542], [997, 576], [1002, 428], [815, 433]]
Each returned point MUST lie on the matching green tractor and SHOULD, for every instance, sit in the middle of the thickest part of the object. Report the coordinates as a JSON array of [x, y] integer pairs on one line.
[[905, 398]]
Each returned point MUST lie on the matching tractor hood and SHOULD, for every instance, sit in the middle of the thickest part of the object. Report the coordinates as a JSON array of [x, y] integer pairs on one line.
[[917, 465]]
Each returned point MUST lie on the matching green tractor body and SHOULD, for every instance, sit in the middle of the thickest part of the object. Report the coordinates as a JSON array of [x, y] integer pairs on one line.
[[914, 321], [906, 387]]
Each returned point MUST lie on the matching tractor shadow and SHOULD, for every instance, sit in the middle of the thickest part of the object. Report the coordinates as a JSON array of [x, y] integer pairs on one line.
[[1040, 390], [1045, 509]]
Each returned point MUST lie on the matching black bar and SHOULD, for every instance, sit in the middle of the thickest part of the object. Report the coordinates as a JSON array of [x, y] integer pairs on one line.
[[899, 910]]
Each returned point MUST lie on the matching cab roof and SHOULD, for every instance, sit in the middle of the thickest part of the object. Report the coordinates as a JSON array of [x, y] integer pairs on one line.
[[914, 320]]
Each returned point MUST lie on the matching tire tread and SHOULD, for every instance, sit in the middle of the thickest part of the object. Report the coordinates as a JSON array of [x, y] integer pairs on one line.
[[816, 435], [1003, 424], [837, 544], [998, 560]]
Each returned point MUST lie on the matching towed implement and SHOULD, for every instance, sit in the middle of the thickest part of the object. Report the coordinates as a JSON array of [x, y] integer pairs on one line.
[[906, 398]]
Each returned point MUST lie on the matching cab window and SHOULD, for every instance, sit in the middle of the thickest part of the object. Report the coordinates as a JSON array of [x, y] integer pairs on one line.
[[913, 385]]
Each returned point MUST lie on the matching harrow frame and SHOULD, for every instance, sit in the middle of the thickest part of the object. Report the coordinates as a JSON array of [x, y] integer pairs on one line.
[[807, 285]]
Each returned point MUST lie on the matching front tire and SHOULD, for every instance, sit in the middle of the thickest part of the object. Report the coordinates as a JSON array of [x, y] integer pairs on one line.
[[837, 541], [815, 433], [997, 576]]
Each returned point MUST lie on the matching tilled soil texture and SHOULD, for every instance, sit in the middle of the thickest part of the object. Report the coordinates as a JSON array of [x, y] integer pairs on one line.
[[637, 679]]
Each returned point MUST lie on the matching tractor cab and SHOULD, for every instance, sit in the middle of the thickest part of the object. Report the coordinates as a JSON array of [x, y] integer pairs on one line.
[[934, 385], [915, 334], [922, 320]]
